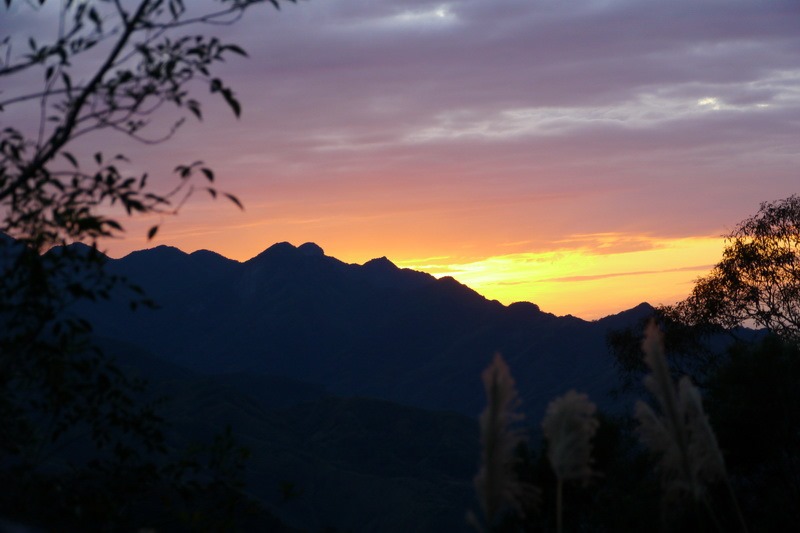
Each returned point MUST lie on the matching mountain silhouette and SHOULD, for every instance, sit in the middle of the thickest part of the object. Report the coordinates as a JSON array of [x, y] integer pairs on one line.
[[371, 330], [357, 384], [356, 464]]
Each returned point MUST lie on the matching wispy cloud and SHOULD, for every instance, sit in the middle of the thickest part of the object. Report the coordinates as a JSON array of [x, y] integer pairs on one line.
[[579, 280], [595, 132], [696, 268]]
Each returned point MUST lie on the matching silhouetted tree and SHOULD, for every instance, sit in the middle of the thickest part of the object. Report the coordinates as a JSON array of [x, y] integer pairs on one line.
[[755, 410], [110, 66], [749, 380], [694, 350], [757, 282]]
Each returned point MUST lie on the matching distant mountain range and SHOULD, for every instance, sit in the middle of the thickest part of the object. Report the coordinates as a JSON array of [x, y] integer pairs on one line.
[[353, 464], [359, 385], [371, 330]]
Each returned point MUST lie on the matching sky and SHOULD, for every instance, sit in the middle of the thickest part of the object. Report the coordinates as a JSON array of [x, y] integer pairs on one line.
[[582, 155]]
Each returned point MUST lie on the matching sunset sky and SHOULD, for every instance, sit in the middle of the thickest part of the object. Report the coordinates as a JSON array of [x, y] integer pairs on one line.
[[585, 155]]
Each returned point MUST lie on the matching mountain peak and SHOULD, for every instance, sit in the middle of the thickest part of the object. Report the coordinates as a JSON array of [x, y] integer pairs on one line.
[[628, 317], [161, 250], [75, 249], [382, 272], [642, 310], [311, 249], [524, 308], [382, 263], [279, 249], [208, 253], [80, 247], [289, 256], [207, 258]]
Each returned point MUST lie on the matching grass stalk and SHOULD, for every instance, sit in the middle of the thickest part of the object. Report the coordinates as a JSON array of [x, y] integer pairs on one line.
[[560, 505]]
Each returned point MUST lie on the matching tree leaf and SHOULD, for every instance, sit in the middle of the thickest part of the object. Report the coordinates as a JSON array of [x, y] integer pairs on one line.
[[236, 50], [95, 18], [194, 107], [67, 82], [70, 158], [232, 102], [235, 200], [114, 224]]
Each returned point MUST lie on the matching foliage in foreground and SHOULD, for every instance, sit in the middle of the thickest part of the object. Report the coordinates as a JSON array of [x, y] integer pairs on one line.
[[79, 447], [667, 469]]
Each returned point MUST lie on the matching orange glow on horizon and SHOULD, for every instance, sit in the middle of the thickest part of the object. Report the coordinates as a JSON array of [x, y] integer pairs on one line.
[[586, 275], [587, 282]]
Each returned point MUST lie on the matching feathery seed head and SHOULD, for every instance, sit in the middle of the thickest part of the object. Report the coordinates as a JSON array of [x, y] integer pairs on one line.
[[569, 426], [497, 483], [680, 433]]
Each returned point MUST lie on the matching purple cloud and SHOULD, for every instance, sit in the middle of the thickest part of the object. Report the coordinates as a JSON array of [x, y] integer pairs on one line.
[[539, 119]]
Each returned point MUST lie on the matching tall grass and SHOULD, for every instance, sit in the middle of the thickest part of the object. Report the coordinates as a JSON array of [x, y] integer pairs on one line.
[[497, 484], [569, 426], [675, 429], [678, 432]]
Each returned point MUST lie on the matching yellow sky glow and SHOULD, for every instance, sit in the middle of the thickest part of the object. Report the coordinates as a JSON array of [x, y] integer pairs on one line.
[[587, 282], [587, 275]]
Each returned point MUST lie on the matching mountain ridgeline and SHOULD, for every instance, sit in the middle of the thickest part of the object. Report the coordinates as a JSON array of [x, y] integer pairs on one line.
[[356, 388], [371, 330]]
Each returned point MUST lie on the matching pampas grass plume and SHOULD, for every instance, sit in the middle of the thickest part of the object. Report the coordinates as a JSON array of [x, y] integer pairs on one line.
[[497, 483], [569, 426], [679, 433]]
